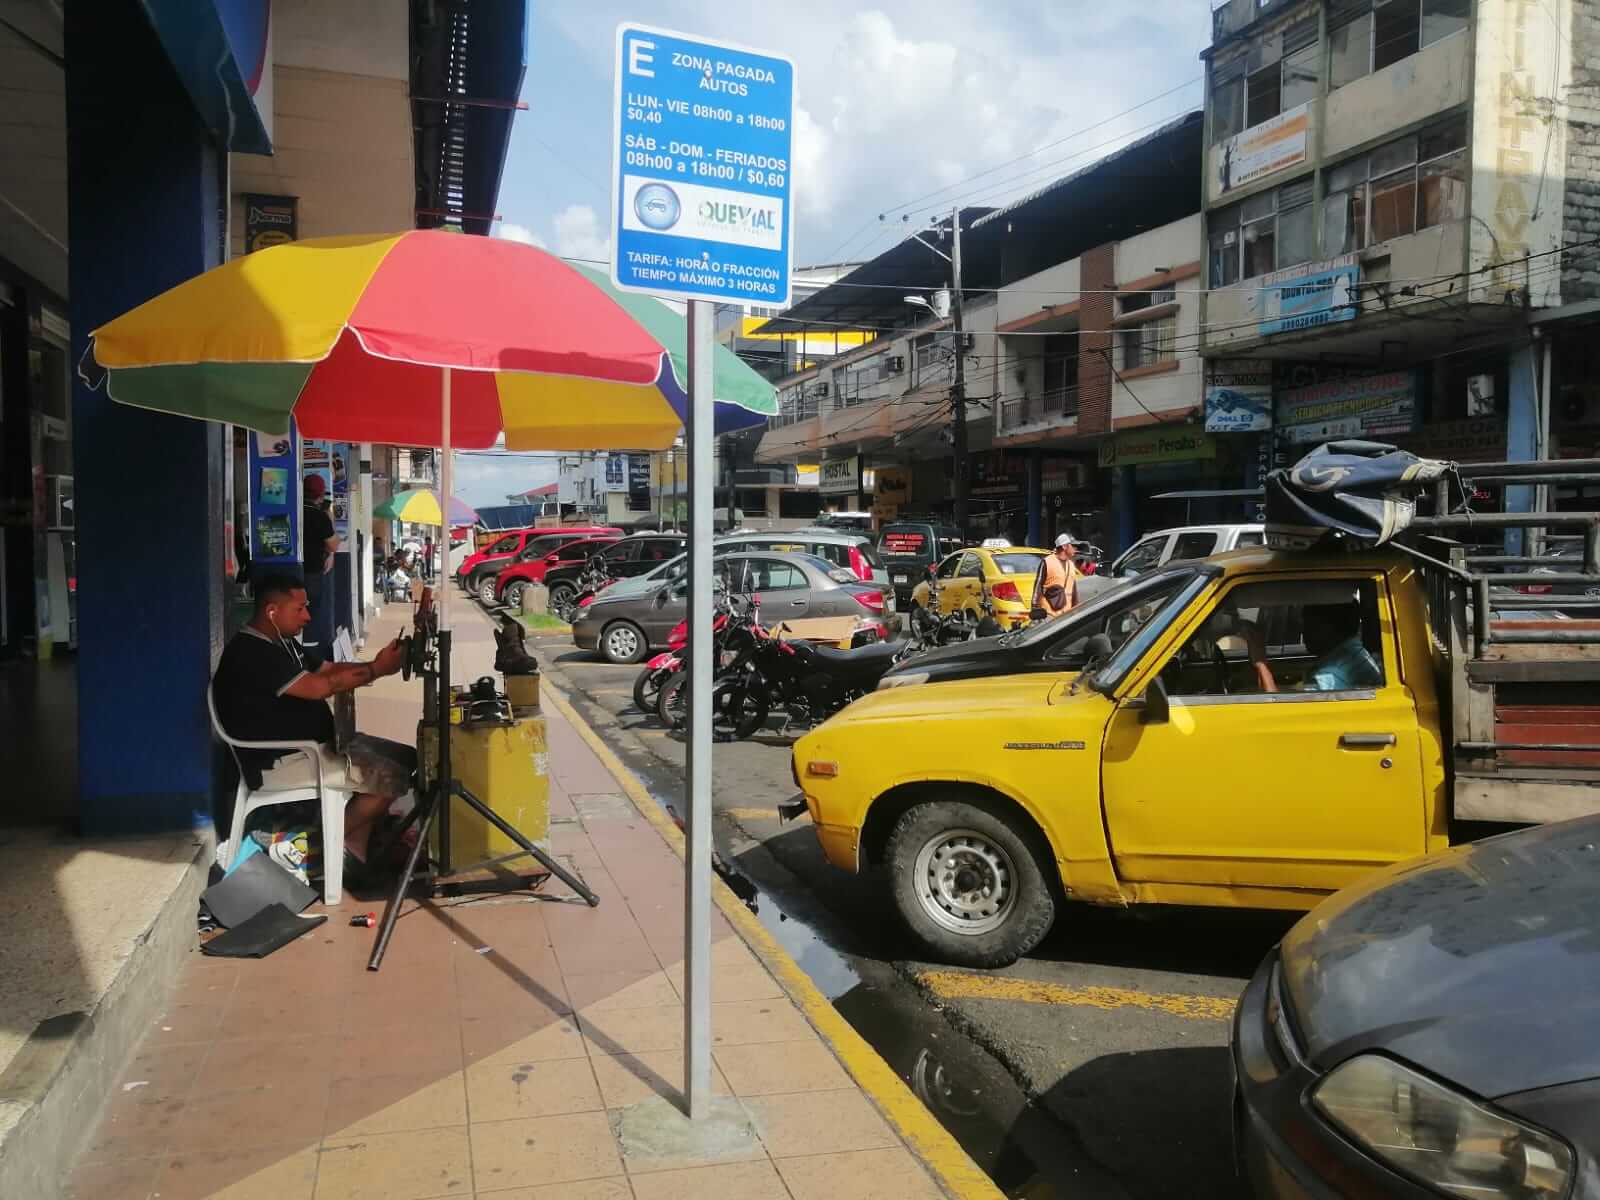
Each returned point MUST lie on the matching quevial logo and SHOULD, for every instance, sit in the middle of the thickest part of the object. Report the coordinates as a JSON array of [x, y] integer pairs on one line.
[[657, 206]]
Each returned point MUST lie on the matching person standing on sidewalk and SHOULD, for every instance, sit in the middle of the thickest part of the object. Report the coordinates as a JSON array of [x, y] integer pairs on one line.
[[321, 543], [427, 559]]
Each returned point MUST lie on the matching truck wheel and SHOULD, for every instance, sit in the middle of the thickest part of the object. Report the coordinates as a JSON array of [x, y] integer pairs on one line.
[[486, 587], [513, 594], [973, 889]]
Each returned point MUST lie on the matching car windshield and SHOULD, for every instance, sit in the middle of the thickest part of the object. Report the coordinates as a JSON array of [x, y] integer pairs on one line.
[[1100, 615], [1017, 564]]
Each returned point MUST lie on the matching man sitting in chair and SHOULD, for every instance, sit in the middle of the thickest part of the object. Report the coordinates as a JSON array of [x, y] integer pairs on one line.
[[270, 688]]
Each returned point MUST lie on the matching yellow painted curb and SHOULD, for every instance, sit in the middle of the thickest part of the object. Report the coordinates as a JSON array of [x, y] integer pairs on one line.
[[951, 985], [960, 1177]]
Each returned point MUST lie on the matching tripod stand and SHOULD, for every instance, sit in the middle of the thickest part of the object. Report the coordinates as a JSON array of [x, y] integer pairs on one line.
[[436, 805]]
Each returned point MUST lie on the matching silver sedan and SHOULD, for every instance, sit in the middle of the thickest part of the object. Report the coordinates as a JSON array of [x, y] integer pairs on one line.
[[791, 586]]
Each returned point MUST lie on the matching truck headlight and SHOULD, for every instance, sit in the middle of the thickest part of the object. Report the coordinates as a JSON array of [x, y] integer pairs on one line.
[[1439, 1136], [894, 681]]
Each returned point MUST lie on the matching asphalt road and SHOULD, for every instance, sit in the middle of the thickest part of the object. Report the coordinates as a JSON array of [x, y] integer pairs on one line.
[[1097, 1066]]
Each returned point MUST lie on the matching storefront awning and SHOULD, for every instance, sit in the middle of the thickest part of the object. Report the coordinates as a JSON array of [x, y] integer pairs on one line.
[[222, 54], [470, 58]]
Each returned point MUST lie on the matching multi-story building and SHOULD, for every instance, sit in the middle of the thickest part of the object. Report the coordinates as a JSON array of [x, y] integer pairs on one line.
[[1402, 215], [1079, 322]]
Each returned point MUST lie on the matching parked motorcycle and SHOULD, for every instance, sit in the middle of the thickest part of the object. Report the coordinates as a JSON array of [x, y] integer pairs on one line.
[[808, 681], [660, 669], [566, 604]]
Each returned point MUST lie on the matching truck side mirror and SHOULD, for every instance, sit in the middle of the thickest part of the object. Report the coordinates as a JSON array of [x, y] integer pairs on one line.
[[1156, 709]]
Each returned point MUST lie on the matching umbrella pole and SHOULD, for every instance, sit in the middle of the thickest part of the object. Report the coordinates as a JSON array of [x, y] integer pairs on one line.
[[446, 484]]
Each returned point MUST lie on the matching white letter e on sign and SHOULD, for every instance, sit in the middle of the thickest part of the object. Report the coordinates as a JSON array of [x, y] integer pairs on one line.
[[640, 58]]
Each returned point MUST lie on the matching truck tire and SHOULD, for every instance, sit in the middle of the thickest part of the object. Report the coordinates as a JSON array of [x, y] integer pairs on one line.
[[972, 887]]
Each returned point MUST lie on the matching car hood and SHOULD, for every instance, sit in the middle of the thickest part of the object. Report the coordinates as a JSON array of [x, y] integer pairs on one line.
[[1480, 964], [958, 698], [963, 660]]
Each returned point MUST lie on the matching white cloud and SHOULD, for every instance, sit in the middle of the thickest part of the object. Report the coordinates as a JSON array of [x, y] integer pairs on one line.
[[578, 234], [483, 479], [512, 232]]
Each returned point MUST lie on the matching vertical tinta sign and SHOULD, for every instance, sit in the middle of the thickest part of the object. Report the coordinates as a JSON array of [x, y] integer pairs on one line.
[[702, 178]]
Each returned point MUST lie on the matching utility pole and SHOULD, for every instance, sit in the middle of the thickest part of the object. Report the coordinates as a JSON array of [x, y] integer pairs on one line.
[[958, 390]]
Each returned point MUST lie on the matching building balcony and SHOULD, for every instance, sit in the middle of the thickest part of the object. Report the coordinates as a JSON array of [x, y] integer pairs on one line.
[[1034, 414]]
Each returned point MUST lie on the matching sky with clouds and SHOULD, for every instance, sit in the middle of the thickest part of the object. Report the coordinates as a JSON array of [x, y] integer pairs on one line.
[[903, 108]]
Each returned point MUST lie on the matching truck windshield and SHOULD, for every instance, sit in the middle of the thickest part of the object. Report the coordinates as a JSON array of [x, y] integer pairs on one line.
[[1148, 621]]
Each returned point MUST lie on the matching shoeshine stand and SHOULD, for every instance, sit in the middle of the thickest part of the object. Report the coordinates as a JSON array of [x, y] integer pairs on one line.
[[430, 653]]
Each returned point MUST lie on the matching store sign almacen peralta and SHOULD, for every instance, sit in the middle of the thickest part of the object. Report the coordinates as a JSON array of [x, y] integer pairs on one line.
[[1141, 447]]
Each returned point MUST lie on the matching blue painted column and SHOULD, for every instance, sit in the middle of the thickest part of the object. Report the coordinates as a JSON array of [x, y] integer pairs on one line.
[[1522, 433], [1035, 497], [1127, 505], [145, 207]]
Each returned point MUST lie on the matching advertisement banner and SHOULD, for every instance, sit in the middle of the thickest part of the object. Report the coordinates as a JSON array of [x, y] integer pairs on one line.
[[1370, 406], [1263, 149], [269, 221], [275, 508], [616, 472], [1239, 396], [639, 479], [841, 476], [1309, 295], [1143, 447]]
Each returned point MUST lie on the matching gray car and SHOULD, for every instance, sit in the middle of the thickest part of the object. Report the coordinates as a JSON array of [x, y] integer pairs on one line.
[[791, 586], [1433, 1030], [851, 551]]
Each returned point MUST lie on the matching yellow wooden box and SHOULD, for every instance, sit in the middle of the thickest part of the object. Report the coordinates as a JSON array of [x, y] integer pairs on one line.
[[505, 766]]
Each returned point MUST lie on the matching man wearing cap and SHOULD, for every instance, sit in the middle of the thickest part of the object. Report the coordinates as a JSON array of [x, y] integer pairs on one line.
[[1058, 579], [320, 543]]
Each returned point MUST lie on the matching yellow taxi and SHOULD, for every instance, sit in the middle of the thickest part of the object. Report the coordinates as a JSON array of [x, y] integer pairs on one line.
[[1006, 573]]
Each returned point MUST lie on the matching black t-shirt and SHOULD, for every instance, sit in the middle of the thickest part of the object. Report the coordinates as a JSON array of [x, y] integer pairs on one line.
[[249, 686], [318, 529]]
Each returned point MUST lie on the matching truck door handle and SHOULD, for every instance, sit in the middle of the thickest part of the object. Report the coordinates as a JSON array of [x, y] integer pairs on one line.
[[1366, 741], [797, 604]]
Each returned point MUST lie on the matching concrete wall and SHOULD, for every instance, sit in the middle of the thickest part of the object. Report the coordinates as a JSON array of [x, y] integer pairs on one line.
[[352, 37], [1162, 249], [1024, 298], [333, 129], [1427, 254], [1436, 79], [33, 150], [1580, 277]]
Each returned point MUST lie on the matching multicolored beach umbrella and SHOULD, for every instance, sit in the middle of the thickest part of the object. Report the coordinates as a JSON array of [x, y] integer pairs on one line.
[[359, 338], [420, 506]]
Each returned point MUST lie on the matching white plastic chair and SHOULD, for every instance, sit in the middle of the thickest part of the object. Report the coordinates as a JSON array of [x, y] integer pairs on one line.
[[245, 801]]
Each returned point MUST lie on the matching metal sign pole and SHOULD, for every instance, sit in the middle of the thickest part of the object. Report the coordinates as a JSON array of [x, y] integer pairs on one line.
[[697, 863]]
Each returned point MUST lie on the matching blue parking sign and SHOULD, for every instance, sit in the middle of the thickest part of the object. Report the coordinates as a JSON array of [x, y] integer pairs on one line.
[[703, 170]]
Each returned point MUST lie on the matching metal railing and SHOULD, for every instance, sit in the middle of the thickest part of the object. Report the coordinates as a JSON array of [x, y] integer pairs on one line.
[[1057, 404]]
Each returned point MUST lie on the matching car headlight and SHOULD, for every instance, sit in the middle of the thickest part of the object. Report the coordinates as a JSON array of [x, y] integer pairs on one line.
[[1439, 1136], [894, 681]]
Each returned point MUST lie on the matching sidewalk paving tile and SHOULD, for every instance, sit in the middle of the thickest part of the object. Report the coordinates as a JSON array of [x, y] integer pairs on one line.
[[754, 1070], [803, 1123], [889, 1174], [498, 1092], [396, 1166], [544, 1150], [725, 1181]]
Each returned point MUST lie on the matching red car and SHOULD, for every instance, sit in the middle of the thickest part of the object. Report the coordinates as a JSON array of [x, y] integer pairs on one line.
[[483, 568], [532, 569]]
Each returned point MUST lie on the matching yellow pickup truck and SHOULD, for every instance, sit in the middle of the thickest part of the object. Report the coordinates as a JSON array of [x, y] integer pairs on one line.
[[1255, 729]]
